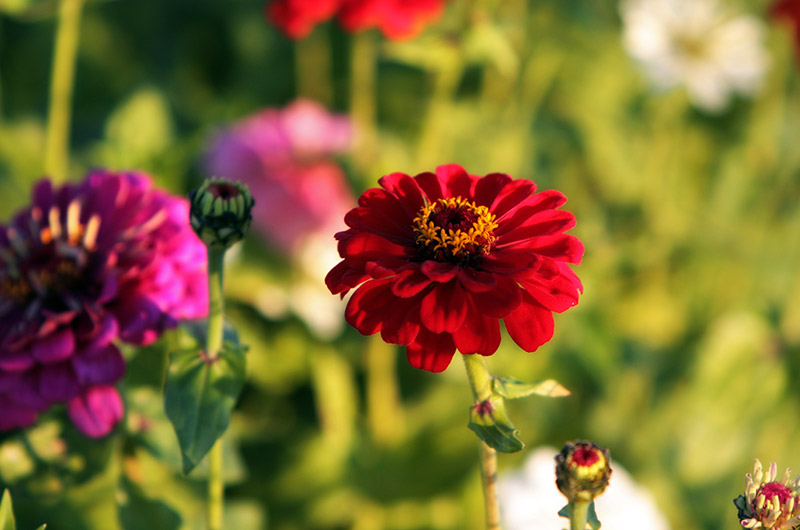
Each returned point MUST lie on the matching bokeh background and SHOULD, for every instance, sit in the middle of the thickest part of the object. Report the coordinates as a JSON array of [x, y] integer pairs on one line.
[[682, 356]]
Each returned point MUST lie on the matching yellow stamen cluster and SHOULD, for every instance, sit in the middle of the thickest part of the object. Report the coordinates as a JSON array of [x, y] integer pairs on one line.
[[455, 242]]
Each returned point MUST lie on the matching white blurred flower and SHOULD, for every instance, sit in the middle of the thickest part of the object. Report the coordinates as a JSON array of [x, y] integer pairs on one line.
[[529, 499], [696, 43]]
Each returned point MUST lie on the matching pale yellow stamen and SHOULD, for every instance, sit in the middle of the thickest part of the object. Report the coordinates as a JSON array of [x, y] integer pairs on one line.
[[54, 220], [90, 233], [74, 227]]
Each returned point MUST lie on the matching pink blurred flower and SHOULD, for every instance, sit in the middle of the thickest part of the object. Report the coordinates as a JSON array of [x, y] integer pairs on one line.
[[284, 158], [87, 264]]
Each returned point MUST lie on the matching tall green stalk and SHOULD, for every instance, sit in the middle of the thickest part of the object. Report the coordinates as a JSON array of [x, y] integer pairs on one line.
[[313, 68], [62, 78], [216, 314], [480, 381], [363, 70]]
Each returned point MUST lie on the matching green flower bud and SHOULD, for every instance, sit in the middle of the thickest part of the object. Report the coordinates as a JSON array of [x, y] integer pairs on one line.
[[220, 212], [582, 470]]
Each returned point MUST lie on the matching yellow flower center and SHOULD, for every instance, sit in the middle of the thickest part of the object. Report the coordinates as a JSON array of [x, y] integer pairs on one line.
[[455, 230]]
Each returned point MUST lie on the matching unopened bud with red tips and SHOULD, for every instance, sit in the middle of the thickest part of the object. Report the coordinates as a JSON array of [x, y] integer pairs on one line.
[[221, 212], [768, 503], [582, 470]]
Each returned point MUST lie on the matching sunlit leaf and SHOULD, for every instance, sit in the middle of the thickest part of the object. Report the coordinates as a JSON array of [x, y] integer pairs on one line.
[[7, 513], [490, 422], [199, 396], [512, 389]]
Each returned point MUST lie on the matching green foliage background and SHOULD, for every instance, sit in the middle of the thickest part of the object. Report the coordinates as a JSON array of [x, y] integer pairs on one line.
[[682, 356]]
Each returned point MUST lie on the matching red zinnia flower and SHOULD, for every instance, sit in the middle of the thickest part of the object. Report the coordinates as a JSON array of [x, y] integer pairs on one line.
[[87, 265], [439, 259], [396, 19], [298, 17], [789, 10]]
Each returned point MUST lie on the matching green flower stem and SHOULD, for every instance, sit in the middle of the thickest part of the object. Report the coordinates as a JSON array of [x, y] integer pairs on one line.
[[480, 381], [216, 303], [362, 99], [216, 487], [313, 66], [216, 314], [578, 514], [56, 158]]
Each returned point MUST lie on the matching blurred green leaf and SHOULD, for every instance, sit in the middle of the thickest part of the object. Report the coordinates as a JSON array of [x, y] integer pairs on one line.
[[490, 422], [7, 513], [199, 396], [138, 130], [510, 388], [139, 512]]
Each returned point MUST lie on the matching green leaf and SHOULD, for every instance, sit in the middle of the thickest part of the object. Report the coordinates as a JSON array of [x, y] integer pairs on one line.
[[512, 389], [7, 521], [139, 512], [490, 422], [199, 396], [592, 522]]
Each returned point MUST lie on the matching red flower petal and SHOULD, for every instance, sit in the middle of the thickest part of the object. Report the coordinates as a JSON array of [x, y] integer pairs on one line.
[[489, 187], [476, 281], [402, 325], [511, 197], [365, 309], [444, 308], [510, 262], [530, 325], [456, 181], [406, 190], [410, 283], [439, 272], [430, 184], [479, 334], [526, 222], [342, 278], [500, 301], [562, 247], [432, 352]]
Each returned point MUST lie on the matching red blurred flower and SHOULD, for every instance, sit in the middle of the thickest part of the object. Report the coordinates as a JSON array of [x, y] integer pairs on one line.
[[396, 19], [789, 10], [439, 259], [298, 17]]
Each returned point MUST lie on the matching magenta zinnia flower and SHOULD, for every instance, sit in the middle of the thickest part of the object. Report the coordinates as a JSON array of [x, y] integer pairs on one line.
[[86, 265], [439, 259]]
